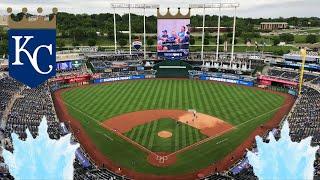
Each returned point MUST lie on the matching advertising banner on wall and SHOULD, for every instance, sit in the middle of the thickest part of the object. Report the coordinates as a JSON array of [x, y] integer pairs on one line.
[[233, 81]]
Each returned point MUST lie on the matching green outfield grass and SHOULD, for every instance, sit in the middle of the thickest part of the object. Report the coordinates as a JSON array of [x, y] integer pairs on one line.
[[183, 135], [244, 108]]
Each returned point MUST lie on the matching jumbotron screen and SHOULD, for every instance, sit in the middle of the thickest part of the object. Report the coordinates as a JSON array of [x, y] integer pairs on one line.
[[173, 38], [64, 65], [67, 65]]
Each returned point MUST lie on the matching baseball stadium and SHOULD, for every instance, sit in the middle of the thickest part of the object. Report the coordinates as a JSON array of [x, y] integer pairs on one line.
[[171, 112], [169, 127]]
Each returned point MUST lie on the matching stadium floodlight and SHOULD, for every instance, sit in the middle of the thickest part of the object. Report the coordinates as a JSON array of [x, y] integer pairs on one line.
[[215, 5], [133, 6], [126, 6], [219, 6], [120, 5], [115, 31]]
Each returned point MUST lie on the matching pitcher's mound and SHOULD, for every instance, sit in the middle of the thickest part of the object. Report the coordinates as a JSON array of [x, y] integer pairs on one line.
[[164, 134]]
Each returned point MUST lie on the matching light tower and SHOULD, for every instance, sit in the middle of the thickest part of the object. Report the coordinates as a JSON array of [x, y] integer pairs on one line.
[[131, 7], [218, 6]]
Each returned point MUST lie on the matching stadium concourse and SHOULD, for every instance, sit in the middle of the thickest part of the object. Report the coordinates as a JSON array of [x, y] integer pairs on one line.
[[21, 108]]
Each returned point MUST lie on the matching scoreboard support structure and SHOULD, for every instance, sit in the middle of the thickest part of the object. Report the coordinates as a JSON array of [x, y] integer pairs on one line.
[[131, 7], [219, 6]]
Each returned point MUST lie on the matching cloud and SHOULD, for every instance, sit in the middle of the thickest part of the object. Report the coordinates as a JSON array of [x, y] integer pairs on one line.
[[248, 8]]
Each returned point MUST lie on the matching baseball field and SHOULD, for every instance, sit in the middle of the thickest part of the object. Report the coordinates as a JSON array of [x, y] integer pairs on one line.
[[139, 125]]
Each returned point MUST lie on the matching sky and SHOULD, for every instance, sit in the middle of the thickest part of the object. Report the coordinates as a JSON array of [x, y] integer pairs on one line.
[[248, 8]]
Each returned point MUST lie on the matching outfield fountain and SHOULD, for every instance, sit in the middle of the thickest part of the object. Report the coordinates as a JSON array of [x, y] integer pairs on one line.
[[42, 157], [283, 159]]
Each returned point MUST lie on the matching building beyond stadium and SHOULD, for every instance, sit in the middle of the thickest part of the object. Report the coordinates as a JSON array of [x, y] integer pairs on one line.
[[273, 25]]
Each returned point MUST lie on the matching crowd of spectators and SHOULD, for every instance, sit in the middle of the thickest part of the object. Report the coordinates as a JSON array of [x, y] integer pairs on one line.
[[8, 87], [100, 65], [310, 77], [305, 120], [246, 174], [121, 74], [291, 75], [73, 71], [316, 81], [113, 57], [218, 176], [103, 66], [275, 72], [94, 173], [28, 111]]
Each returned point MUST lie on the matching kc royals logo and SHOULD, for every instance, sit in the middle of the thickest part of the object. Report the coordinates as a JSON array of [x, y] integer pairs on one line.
[[32, 48], [137, 44]]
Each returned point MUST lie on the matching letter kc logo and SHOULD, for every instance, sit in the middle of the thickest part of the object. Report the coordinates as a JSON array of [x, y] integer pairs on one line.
[[32, 49], [33, 59]]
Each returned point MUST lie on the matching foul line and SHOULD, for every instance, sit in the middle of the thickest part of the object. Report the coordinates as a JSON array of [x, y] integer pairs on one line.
[[222, 141], [108, 137]]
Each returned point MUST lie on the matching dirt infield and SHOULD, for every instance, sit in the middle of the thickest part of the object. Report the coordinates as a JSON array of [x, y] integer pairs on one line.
[[208, 125], [103, 161], [165, 134]]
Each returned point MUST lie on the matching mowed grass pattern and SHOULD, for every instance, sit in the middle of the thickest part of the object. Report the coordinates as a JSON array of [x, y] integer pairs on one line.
[[234, 103], [245, 108], [183, 135]]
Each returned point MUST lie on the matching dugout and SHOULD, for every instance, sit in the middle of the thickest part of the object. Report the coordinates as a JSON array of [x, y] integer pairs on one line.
[[172, 69]]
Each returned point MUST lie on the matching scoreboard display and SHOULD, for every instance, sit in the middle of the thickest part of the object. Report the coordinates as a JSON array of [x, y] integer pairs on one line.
[[173, 38], [68, 65]]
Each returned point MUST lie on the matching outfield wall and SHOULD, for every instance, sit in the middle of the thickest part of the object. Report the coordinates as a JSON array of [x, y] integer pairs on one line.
[[233, 81], [133, 77]]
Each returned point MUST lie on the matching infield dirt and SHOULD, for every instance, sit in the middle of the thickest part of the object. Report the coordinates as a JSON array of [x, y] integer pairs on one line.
[[208, 125]]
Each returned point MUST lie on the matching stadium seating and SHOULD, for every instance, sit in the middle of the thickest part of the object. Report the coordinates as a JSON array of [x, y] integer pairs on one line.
[[74, 71], [121, 74], [316, 81], [292, 75], [246, 174], [28, 110], [283, 73], [275, 72], [289, 75], [305, 120], [217, 176], [93, 174], [8, 87], [310, 77], [98, 65]]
